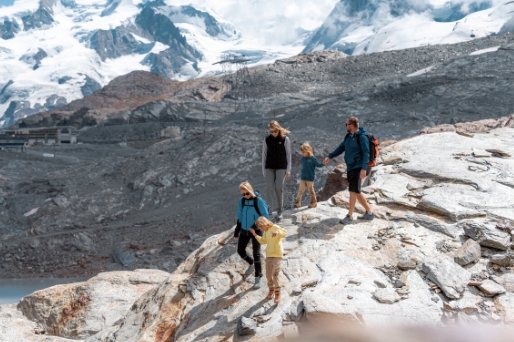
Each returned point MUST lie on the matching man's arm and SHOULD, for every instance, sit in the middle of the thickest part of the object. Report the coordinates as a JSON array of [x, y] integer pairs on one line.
[[340, 149]]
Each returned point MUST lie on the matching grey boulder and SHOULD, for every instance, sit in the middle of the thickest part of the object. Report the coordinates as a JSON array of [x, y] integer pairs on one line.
[[469, 252], [449, 276]]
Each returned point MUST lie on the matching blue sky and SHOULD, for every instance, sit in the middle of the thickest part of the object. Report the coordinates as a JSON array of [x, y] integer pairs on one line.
[[6, 3]]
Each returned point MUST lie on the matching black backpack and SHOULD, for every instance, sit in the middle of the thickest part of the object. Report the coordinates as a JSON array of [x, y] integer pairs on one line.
[[255, 204]]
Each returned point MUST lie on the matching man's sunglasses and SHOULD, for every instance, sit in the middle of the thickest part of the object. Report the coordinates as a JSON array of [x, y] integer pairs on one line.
[[245, 194]]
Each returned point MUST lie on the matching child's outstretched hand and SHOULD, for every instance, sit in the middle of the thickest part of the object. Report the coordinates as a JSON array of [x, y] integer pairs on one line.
[[273, 235], [252, 231]]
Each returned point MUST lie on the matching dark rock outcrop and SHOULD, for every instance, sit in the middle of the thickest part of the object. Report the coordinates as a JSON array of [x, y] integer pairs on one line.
[[34, 59], [22, 108], [55, 101], [166, 63], [212, 26], [114, 43], [110, 7], [158, 27], [64, 79], [41, 17], [8, 29], [507, 27], [3, 96], [336, 181], [90, 86]]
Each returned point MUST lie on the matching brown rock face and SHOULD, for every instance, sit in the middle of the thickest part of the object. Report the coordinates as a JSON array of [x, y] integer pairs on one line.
[[485, 125], [336, 181], [124, 93], [438, 129], [79, 310], [480, 126]]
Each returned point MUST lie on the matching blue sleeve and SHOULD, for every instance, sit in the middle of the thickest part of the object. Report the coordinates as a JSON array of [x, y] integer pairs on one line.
[[364, 144], [239, 211], [316, 162], [338, 150], [263, 208]]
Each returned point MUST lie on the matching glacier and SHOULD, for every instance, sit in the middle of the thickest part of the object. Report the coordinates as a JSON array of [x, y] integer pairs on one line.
[[367, 26]]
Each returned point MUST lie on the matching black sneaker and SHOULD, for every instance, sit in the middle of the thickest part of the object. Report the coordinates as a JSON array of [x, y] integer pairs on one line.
[[279, 216], [366, 216], [346, 220]]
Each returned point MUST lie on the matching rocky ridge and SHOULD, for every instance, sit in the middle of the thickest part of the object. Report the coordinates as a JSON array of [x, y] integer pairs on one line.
[[427, 86], [438, 253]]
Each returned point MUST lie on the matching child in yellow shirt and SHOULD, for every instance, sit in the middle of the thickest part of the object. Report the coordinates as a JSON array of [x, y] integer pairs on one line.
[[272, 238]]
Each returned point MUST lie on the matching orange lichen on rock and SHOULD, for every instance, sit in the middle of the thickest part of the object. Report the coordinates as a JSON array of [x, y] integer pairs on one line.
[[69, 312]]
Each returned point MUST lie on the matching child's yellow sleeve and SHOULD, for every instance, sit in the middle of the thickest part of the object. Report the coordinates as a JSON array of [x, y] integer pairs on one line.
[[261, 239], [281, 232]]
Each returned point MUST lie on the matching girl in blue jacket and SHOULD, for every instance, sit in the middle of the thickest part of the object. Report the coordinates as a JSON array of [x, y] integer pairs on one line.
[[249, 208], [309, 165]]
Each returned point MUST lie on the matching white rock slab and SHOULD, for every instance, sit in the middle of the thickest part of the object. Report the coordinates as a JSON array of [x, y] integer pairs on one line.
[[505, 305], [80, 310], [386, 295], [490, 288], [448, 275]]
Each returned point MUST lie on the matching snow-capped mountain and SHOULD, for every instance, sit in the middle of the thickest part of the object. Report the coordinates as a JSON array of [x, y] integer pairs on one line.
[[55, 51], [358, 26]]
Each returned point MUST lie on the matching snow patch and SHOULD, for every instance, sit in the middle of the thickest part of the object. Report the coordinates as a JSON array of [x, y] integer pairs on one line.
[[479, 52], [421, 72]]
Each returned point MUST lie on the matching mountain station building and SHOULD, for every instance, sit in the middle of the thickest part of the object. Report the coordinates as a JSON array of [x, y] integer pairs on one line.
[[38, 136]]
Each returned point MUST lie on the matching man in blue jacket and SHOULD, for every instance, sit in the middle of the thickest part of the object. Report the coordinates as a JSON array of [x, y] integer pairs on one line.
[[356, 156]]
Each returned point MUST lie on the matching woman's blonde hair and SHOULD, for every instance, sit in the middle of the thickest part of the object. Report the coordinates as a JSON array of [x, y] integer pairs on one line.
[[248, 187], [281, 130], [307, 148], [263, 222]]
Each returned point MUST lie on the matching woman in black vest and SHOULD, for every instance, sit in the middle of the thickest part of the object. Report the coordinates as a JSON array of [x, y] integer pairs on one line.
[[276, 164]]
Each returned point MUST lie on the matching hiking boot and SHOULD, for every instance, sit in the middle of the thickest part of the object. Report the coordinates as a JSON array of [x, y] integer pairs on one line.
[[346, 220], [313, 204], [366, 216], [249, 270], [279, 215], [298, 203], [257, 284], [277, 296], [270, 293]]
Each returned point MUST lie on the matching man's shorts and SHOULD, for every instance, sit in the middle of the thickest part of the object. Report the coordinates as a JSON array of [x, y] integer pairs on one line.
[[354, 180]]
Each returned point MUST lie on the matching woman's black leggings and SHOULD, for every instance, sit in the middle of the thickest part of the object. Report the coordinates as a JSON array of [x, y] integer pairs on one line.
[[243, 240]]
